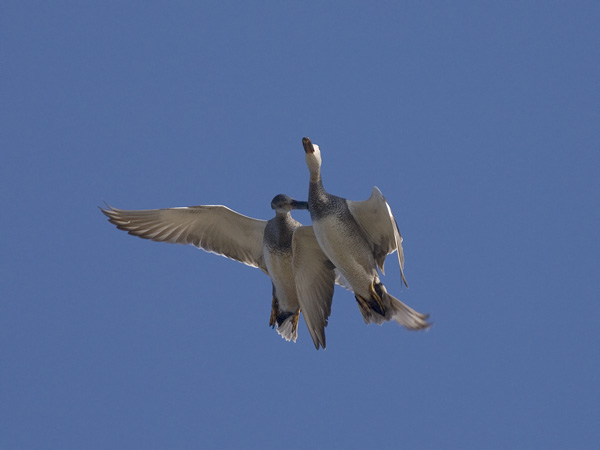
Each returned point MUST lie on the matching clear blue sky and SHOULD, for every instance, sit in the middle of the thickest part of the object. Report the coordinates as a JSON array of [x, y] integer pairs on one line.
[[479, 121]]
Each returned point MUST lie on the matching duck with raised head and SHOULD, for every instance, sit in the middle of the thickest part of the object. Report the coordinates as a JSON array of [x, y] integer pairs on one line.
[[357, 237]]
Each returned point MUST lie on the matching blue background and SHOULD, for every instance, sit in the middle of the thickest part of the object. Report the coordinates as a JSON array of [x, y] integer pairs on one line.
[[479, 121]]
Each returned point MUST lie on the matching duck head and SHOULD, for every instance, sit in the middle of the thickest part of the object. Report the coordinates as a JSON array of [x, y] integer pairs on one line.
[[283, 203], [313, 158]]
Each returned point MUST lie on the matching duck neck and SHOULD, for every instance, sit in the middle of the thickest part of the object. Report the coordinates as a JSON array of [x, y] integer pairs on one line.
[[283, 215], [315, 176], [317, 196]]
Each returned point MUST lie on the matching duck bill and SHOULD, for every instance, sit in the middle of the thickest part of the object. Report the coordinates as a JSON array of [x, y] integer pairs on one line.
[[299, 205], [308, 146]]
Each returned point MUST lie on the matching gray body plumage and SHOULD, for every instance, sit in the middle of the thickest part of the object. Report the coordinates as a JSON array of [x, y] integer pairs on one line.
[[277, 250], [341, 238], [267, 245], [356, 237]]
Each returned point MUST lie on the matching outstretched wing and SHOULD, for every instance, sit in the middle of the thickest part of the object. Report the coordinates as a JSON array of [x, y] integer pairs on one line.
[[375, 217], [214, 228], [315, 281]]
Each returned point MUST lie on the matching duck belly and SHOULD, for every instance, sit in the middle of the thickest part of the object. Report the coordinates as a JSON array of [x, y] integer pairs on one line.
[[347, 248], [280, 268]]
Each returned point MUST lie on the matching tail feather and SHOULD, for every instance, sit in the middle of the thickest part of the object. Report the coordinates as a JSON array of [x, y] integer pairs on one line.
[[393, 309], [406, 316], [285, 321], [288, 328]]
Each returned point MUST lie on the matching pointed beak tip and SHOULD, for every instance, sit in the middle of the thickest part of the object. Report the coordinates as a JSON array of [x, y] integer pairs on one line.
[[307, 144]]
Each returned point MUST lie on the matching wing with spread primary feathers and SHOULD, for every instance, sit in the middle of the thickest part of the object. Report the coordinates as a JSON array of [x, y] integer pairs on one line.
[[214, 228]]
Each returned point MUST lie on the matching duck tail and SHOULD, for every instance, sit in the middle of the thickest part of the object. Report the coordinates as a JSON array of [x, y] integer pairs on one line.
[[383, 307], [406, 316], [286, 322]]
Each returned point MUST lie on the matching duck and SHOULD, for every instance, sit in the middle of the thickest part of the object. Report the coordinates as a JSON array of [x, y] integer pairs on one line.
[[356, 236], [267, 245]]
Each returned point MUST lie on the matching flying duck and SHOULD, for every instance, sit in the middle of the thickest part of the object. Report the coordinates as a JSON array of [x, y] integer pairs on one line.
[[266, 245], [357, 237]]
